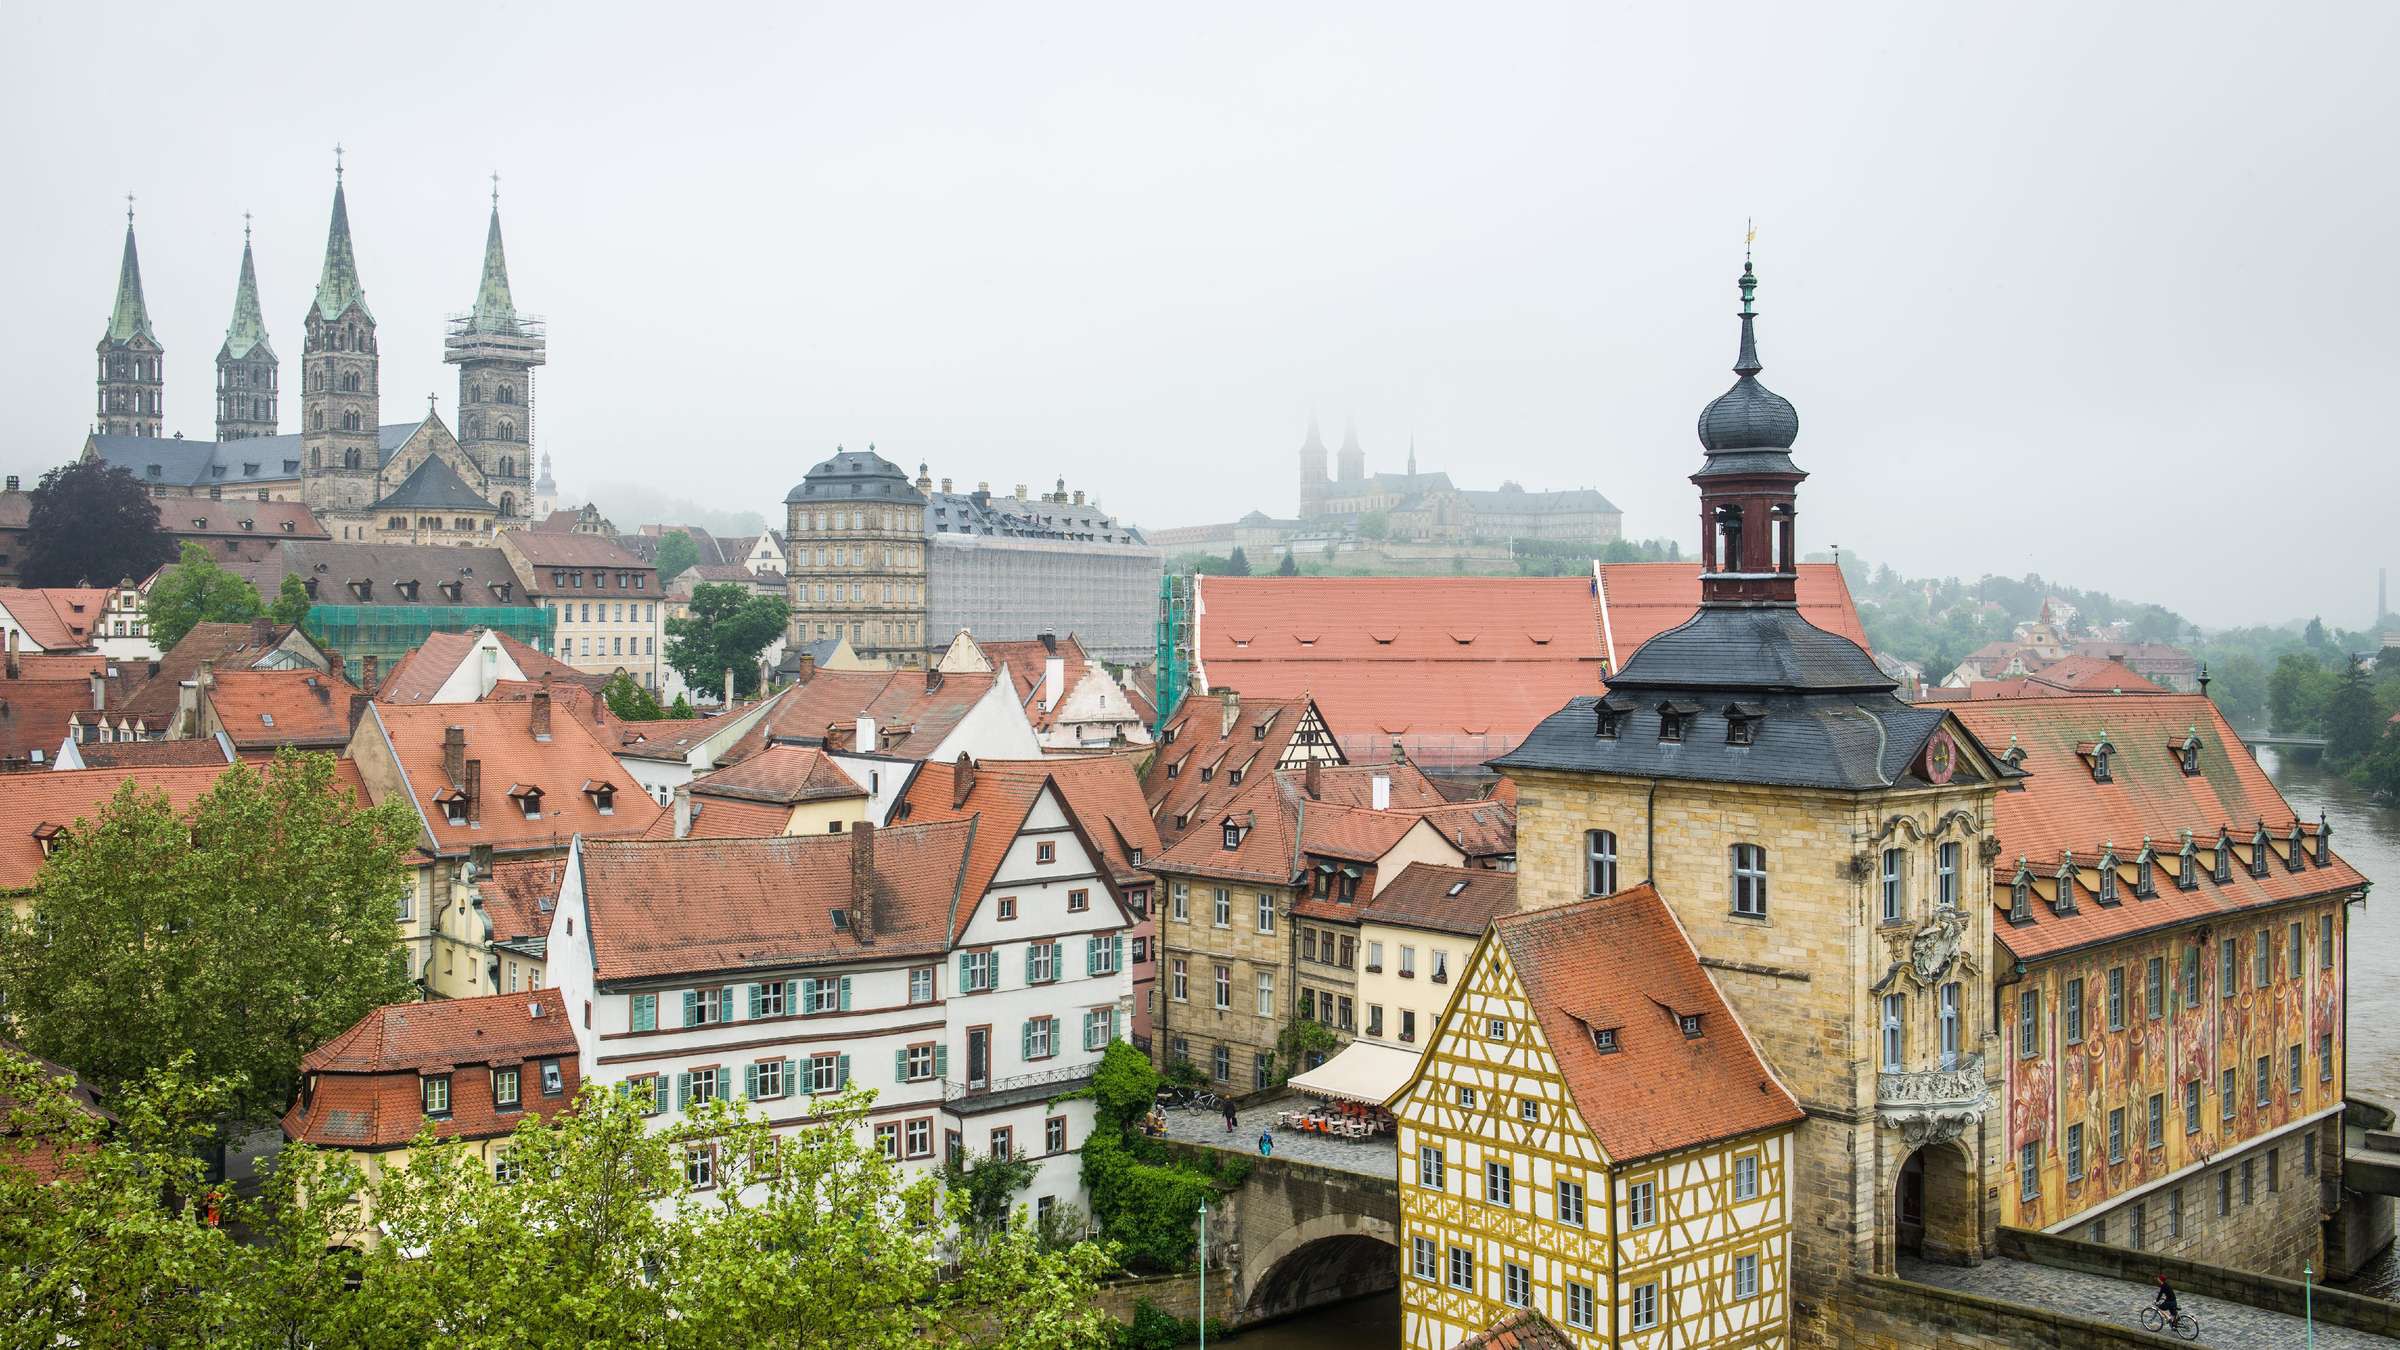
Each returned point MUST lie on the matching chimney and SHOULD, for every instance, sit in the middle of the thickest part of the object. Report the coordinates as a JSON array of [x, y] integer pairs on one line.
[[187, 711], [454, 756], [1054, 681], [1380, 787], [370, 674], [1314, 780], [862, 882], [14, 671], [728, 686], [683, 810], [599, 709], [808, 666], [208, 675], [479, 861], [12, 482], [864, 741], [962, 780], [1232, 711], [358, 709], [1399, 751], [474, 791], [541, 710], [1079, 496], [1049, 642], [99, 691], [945, 484]]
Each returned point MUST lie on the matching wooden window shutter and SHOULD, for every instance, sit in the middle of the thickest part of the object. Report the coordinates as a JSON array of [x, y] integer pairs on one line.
[[691, 1007], [683, 1086], [845, 993]]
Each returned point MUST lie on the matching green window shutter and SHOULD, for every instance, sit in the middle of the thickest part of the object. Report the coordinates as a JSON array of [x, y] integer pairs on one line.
[[754, 998], [1117, 953], [725, 1003], [808, 995], [691, 1007], [645, 1012], [1025, 1039], [750, 1081], [900, 1065], [658, 1096], [841, 1072], [1114, 1021], [845, 993], [1091, 956], [683, 1088], [791, 1077], [791, 997], [941, 1061], [1030, 949], [965, 960]]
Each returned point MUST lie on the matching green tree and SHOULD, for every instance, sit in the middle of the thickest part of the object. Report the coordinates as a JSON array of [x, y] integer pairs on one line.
[[291, 601], [630, 701], [681, 709], [2314, 634], [676, 551], [1237, 563], [2351, 721], [1289, 567], [1375, 525], [92, 524], [195, 590], [2296, 692], [242, 932], [727, 625], [1300, 1038], [1144, 1204]]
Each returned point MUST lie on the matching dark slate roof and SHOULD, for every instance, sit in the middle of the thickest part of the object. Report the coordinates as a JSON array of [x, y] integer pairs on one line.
[[1751, 648], [1748, 428], [483, 573], [854, 476], [1848, 742], [435, 486], [189, 463], [981, 513]]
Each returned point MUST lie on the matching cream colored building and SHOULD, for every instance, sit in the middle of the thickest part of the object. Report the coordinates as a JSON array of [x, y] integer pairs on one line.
[[607, 601], [1414, 941]]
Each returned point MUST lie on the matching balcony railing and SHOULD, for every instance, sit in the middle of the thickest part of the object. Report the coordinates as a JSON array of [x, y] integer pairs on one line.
[[1072, 1075]]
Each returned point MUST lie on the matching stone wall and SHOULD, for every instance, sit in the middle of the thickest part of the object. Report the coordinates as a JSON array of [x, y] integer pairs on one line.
[[1176, 1295], [2273, 1224], [2291, 1297], [1294, 1235], [1878, 1312]]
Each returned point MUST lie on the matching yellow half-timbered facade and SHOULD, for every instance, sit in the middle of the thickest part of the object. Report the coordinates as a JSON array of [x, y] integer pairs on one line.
[[1591, 1135]]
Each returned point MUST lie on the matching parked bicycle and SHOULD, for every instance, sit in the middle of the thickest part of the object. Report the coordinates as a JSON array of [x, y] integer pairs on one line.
[[2155, 1318]]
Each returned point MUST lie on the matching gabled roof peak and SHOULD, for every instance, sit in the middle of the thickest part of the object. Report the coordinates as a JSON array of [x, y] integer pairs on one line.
[[131, 316]]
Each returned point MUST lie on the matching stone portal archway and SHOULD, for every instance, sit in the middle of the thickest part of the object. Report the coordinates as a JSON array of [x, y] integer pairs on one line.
[[1934, 1211], [1321, 1260]]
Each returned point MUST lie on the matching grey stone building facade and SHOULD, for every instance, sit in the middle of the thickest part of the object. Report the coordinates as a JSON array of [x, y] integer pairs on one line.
[[855, 540]]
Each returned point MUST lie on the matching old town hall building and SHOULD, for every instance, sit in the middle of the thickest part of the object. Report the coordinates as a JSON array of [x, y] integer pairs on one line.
[[2070, 969], [366, 480]]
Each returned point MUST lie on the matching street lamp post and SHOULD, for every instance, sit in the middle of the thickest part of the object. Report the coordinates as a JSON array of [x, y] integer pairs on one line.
[[2308, 1277], [1203, 1272]]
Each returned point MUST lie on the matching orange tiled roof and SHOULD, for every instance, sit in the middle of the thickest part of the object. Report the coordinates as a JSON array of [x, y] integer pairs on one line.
[[195, 752], [1485, 829], [1354, 785], [1026, 663], [225, 646], [1621, 962], [520, 895], [193, 517], [1104, 796], [34, 716], [56, 618], [364, 1089], [265, 709], [1267, 811], [418, 676], [783, 774], [1459, 900], [702, 907], [996, 803], [1193, 773], [500, 737], [72, 797], [1647, 599], [2058, 808], [913, 711], [1523, 1329], [47, 1161], [725, 818]]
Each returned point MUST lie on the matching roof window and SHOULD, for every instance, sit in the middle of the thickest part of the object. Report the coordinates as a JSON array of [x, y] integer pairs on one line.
[[266, 719], [2187, 753], [1674, 720], [2294, 856], [1455, 888], [603, 795], [51, 837], [2260, 849], [2187, 865], [1604, 1040], [2107, 888], [1688, 1024], [2097, 754], [841, 919], [2224, 868], [2324, 840], [528, 799], [1741, 722], [2020, 895], [1608, 718]]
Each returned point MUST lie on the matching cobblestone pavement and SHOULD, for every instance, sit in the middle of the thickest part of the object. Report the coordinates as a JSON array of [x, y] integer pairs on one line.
[[1376, 1157], [2119, 1301]]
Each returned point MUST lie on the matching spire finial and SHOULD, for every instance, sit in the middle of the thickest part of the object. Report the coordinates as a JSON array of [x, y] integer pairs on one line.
[[429, 397], [495, 189], [129, 210], [337, 161], [245, 229]]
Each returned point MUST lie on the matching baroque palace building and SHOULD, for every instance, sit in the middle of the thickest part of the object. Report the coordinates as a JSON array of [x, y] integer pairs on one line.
[[2064, 968], [367, 481]]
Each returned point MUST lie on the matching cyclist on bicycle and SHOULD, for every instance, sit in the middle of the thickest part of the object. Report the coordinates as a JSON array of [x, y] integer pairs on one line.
[[2165, 1302]]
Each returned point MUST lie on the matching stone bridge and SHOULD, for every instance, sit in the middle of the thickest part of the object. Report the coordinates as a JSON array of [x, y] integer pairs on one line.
[[1297, 1234]]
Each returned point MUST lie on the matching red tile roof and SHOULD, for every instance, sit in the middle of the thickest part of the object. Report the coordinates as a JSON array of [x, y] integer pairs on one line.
[[702, 907], [786, 775], [267, 709], [225, 646], [201, 517], [1028, 661], [996, 803], [549, 548], [1193, 773], [45, 1161], [364, 1089], [1623, 963], [725, 818], [1266, 809], [34, 716], [520, 895], [1354, 785], [56, 618], [419, 675], [500, 736], [195, 752], [73, 797], [1106, 798], [913, 711], [1458, 668], [2058, 808], [1459, 900], [1523, 1329], [1485, 829]]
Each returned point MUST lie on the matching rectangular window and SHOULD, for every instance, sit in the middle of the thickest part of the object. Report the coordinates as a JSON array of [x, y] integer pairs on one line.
[[1570, 1203], [2191, 1107], [1220, 1064], [2141, 1223], [1895, 901], [2229, 966], [2029, 1170], [1750, 881], [645, 1012], [2225, 1193], [1599, 862], [2191, 976], [2154, 993], [2249, 1181], [1054, 1135], [1078, 901], [1266, 993], [920, 985], [2075, 1152], [2029, 1023], [1580, 1305], [1408, 1033], [2266, 1080], [1745, 1275], [1099, 1027], [2308, 1154], [1462, 1268], [2229, 1096], [1425, 1259], [1895, 1031], [828, 1073], [916, 1063], [2296, 951], [700, 1165], [437, 1095], [2262, 959], [2293, 1087], [1408, 963], [1041, 963], [1179, 902], [2325, 1058], [1641, 1204], [1224, 905], [1178, 981], [1498, 1188], [1644, 1307], [766, 1000], [767, 1078], [1946, 873], [1950, 1028], [2116, 998], [2274, 1170], [2116, 1134], [1004, 1142], [2325, 942], [1040, 1037], [2071, 1009], [1224, 986], [2158, 1120], [1429, 1167], [1516, 1284], [1266, 913], [1745, 1177], [887, 1139]]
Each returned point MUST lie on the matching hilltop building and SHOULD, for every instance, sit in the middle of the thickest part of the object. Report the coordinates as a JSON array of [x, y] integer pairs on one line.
[[366, 480]]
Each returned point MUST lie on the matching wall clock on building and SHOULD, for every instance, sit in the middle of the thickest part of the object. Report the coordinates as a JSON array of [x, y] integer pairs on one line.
[[1941, 757]]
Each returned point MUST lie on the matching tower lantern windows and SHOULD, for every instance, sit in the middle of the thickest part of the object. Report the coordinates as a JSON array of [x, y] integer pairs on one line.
[[1729, 539]]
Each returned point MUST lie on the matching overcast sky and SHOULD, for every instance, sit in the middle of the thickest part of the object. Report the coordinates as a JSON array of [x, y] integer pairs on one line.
[[2098, 291]]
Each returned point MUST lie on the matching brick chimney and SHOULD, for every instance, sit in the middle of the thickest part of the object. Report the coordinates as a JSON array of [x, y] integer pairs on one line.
[[1315, 780], [262, 630], [370, 675], [454, 756], [1232, 712], [541, 711], [474, 791], [808, 666], [14, 671], [962, 780], [862, 882], [683, 810]]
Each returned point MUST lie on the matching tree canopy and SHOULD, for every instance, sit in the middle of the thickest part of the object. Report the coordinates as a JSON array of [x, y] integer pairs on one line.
[[1289, 567], [92, 524], [676, 551], [291, 601], [196, 590], [728, 625], [1237, 563], [241, 932], [629, 700]]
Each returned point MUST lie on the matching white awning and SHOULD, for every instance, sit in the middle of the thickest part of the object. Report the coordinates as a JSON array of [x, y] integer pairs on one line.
[[1362, 1072]]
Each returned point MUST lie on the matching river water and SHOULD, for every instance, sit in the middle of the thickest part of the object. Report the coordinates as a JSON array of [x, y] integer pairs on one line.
[[2365, 834]]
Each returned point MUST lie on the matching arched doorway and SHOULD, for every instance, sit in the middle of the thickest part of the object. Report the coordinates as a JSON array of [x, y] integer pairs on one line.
[[1933, 1206]]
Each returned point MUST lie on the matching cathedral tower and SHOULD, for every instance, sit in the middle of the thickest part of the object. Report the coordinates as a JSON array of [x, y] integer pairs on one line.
[[338, 400], [132, 385], [1312, 472], [495, 350], [1353, 459], [246, 365]]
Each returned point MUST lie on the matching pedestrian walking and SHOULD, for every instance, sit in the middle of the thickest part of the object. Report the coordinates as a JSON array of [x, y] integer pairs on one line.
[[1229, 1119], [1266, 1142]]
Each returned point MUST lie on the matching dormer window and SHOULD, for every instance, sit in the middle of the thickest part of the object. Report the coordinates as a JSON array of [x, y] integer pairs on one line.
[[1608, 719], [2107, 887], [1233, 835], [1208, 772], [2259, 851], [1233, 776], [2324, 840], [528, 799], [603, 795], [1604, 1040], [453, 804], [2145, 874], [2187, 867], [2020, 895], [2098, 754], [2187, 754], [1674, 720], [1741, 723], [51, 837], [2224, 868], [1175, 769], [1688, 1024], [2295, 856], [2062, 900]]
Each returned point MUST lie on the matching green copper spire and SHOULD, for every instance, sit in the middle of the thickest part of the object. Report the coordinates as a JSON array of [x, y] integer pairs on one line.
[[131, 318], [338, 289], [248, 331], [495, 311]]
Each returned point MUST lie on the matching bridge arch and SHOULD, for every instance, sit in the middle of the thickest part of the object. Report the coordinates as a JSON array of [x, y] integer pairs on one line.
[[1321, 1259]]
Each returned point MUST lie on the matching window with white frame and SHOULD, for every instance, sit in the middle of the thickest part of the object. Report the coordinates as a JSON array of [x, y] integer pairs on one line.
[[1895, 899], [1224, 912], [1498, 1186], [1745, 1177], [1429, 1167], [1099, 1026], [1266, 993], [828, 1073], [919, 1135], [1462, 1268], [917, 1063], [1041, 963], [1580, 1305], [920, 985], [1641, 1204], [1425, 1260], [978, 972], [1599, 862], [1178, 980], [1224, 986], [1895, 1031], [1516, 1284], [1950, 1012], [1266, 913], [1179, 901], [1570, 1203], [1750, 881], [1946, 875], [1644, 1307], [1745, 1275], [767, 1074], [1040, 1037]]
